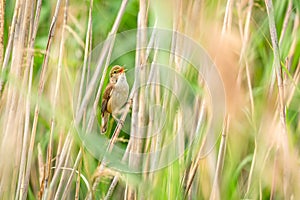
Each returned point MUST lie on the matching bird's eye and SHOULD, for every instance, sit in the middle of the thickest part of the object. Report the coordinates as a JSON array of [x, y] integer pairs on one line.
[[115, 71]]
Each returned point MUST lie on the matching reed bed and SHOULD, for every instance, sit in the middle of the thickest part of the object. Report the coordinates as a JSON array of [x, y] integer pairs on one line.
[[213, 110]]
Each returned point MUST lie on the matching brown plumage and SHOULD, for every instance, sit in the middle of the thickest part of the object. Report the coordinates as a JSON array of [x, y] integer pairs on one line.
[[106, 107]]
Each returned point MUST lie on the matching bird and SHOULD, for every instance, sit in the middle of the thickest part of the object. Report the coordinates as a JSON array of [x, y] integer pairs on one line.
[[115, 95]]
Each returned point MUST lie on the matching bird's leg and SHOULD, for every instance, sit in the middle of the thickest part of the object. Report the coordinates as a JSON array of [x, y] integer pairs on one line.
[[119, 120], [117, 116]]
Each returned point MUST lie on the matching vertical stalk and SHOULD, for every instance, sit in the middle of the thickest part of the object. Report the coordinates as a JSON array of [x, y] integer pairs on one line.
[[37, 106], [10, 43], [227, 17], [14, 107], [56, 91], [220, 163], [138, 110], [281, 103], [29, 66], [88, 45], [2, 14]]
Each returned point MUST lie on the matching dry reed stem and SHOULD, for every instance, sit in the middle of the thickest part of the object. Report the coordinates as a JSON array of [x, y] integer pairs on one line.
[[176, 28], [88, 45], [252, 168], [9, 43], [177, 62], [215, 194], [281, 103], [246, 31], [65, 175], [243, 57], [187, 182], [13, 121], [190, 174], [294, 85], [262, 167], [158, 138], [74, 21], [41, 163], [116, 178], [149, 141], [55, 98], [138, 110], [274, 176], [12, 95], [245, 34], [111, 188], [29, 65], [85, 180], [290, 91], [286, 21], [283, 31], [248, 75], [2, 14], [76, 36], [51, 191], [227, 18], [151, 96], [78, 181], [294, 34], [59, 148], [68, 185], [63, 157], [62, 178], [195, 165], [15, 72], [18, 120], [90, 57], [179, 66], [40, 92]]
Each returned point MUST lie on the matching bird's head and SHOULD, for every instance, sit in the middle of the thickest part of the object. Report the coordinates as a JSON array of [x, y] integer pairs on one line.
[[115, 72]]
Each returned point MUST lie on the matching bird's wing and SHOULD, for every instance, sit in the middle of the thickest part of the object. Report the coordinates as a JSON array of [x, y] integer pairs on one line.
[[106, 97]]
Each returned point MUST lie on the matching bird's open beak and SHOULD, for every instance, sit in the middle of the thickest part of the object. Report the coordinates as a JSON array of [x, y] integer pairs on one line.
[[123, 70]]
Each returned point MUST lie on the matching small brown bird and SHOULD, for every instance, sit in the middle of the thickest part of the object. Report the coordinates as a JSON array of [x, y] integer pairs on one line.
[[115, 95]]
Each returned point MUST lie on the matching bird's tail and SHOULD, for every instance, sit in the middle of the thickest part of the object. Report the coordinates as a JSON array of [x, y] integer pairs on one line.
[[105, 118]]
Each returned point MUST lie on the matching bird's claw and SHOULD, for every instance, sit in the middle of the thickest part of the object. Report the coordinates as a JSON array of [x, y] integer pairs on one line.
[[121, 122]]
